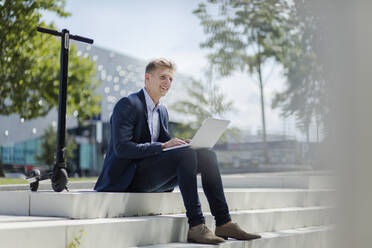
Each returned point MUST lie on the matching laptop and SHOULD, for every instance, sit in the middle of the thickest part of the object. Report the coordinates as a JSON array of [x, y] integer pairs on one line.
[[207, 135]]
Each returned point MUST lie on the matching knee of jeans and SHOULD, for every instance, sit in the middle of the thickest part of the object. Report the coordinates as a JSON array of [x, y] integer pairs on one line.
[[208, 154], [207, 160], [186, 153], [189, 155]]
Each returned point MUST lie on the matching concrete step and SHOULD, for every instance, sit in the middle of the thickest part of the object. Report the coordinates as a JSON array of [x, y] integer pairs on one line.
[[148, 230], [88, 204], [12, 218], [46, 185], [278, 180], [303, 180], [308, 237]]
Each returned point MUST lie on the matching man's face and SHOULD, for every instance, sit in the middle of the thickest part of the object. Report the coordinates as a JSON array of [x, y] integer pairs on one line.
[[159, 81]]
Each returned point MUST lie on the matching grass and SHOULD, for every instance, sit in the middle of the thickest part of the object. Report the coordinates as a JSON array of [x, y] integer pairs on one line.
[[79, 179], [5, 181]]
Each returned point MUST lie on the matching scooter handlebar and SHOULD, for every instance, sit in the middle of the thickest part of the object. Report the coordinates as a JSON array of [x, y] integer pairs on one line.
[[48, 31], [72, 37], [82, 39]]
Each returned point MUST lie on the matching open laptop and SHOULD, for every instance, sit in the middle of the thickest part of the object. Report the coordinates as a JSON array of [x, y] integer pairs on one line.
[[207, 135]]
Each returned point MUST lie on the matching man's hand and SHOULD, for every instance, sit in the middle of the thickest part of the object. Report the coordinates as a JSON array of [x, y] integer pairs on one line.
[[173, 142]]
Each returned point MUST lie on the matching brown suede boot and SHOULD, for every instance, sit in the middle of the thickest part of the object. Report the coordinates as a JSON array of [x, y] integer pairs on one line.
[[202, 234], [234, 231]]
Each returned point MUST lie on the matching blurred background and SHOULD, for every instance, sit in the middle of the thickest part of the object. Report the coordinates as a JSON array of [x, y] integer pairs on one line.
[[252, 62], [293, 77]]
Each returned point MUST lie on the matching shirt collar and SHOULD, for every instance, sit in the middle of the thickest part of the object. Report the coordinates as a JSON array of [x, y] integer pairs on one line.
[[149, 102]]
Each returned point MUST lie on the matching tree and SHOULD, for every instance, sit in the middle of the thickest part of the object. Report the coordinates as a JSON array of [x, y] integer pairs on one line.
[[203, 101], [29, 64], [1, 170], [304, 96], [244, 35], [49, 144]]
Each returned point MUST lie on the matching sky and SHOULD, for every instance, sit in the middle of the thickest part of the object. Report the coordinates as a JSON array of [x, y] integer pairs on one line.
[[147, 29]]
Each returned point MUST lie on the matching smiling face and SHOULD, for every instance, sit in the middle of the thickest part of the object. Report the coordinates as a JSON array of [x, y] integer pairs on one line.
[[158, 82]]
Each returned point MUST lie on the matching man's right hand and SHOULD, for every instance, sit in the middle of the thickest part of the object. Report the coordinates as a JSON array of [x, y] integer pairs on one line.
[[173, 142]]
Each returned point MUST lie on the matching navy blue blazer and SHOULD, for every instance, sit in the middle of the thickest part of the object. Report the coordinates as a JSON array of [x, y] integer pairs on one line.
[[130, 141]]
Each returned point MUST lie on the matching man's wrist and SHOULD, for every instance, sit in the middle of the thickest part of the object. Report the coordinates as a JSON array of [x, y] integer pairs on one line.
[[162, 146]]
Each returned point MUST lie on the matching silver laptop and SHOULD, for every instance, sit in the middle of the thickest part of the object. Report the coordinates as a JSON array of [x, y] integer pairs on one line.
[[207, 135]]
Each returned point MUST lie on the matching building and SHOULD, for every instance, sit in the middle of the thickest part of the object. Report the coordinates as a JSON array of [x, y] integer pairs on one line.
[[119, 76]]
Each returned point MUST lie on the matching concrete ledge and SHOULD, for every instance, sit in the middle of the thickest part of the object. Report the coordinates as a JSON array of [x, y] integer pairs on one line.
[[46, 185], [15, 203], [89, 205], [304, 180], [277, 180], [308, 237], [12, 218], [149, 230], [31, 236]]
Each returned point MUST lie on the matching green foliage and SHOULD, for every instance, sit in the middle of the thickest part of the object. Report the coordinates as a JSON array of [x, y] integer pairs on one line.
[[304, 96], [1, 165], [243, 34], [77, 239], [49, 145], [29, 64], [203, 101], [183, 130], [1, 170]]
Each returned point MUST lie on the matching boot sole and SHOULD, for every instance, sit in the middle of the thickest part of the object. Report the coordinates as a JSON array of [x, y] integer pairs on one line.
[[199, 242]]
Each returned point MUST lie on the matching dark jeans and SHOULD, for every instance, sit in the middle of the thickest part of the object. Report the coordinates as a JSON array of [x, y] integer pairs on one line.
[[161, 173]]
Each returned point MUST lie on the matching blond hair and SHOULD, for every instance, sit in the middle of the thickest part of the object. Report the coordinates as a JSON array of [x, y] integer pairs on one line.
[[160, 62]]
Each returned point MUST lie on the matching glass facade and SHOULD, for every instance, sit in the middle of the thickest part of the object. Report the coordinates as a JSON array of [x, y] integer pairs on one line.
[[22, 152], [85, 155]]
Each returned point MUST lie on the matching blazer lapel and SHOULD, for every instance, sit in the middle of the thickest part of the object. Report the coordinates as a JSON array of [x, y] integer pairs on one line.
[[141, 96]]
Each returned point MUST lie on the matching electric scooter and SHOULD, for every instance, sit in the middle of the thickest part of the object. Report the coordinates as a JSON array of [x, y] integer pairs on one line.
[[58, 175]]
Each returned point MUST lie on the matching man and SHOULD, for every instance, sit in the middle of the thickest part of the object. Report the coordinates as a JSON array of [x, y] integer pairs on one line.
[[135, 161]]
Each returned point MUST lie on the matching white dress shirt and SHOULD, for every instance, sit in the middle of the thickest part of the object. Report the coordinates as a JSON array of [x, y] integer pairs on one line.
[[152, 117]]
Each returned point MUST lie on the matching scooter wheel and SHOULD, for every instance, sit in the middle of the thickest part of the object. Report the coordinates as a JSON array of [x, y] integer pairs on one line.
[[35, 185], [59, 180]]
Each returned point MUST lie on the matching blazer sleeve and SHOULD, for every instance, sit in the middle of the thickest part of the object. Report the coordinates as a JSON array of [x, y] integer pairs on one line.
[[122, 123]]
